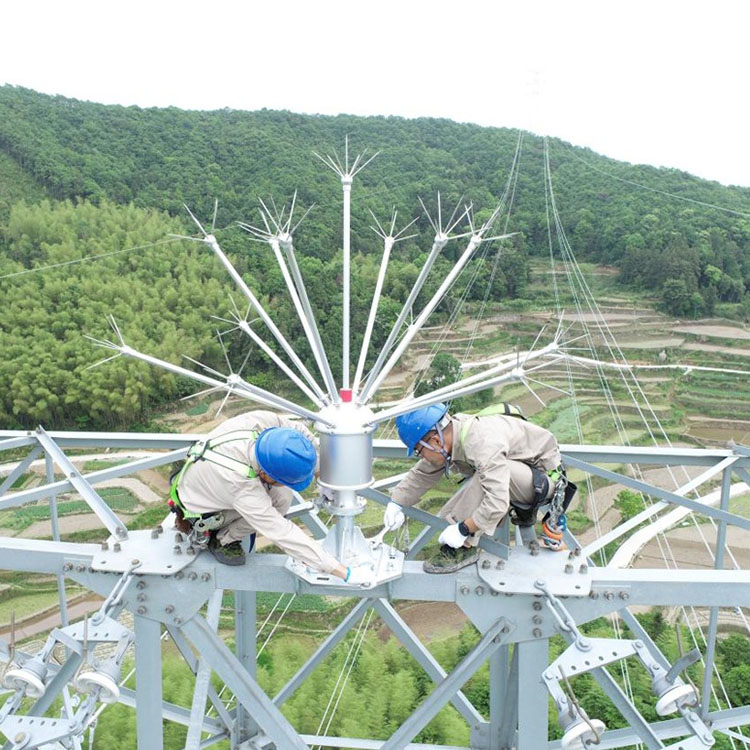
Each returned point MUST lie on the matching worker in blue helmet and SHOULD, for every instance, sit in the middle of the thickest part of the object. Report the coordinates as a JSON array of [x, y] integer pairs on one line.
[[511, 465], [239, 482]]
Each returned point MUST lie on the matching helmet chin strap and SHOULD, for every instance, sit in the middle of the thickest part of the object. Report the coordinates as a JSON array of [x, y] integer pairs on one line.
[[441, 450]]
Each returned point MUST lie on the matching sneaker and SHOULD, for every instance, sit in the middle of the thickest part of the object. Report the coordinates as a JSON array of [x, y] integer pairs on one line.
[[449, 560], [227, 554]]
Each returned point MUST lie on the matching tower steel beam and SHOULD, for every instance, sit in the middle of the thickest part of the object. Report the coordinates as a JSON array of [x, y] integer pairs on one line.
[[150, 732], [533, 699], [322, 651], [671, 497], [106, 515], [424, 658], [491, 640], [19, 469], [246, 690], [721, 538]]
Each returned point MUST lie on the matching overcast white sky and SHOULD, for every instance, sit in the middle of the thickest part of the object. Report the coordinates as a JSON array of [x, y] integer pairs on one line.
[[660, 82]]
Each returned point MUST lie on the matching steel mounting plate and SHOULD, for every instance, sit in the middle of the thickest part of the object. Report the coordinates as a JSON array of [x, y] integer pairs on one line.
[[518, 574]]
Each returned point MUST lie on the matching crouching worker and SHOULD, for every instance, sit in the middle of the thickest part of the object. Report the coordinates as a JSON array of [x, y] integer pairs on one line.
[[238, 482], [512, 465]]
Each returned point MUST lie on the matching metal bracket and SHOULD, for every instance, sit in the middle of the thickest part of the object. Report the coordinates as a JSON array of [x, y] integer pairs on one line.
[[519, 572], [162, 553], [683, 663]]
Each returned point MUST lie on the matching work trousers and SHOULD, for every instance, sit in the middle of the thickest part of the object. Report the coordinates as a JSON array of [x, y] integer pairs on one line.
[[463, 504], [236, 526]]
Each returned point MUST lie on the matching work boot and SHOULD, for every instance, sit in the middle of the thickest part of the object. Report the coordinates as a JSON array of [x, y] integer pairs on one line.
[[449, 560], [227, 554]]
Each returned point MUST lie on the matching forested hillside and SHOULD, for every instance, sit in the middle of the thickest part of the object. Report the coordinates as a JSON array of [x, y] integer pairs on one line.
[[115, 178]]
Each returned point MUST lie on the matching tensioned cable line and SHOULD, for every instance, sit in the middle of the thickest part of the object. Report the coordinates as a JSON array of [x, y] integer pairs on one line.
[[549, 199], [661, 192], [507, 198], [88, 258], [566, 249], [609, 337]]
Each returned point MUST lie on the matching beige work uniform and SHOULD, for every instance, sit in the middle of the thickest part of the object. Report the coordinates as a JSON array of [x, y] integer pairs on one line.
[[496, 452], [248, 505]]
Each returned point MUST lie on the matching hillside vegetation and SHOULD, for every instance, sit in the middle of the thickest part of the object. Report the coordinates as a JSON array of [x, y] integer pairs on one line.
[[79, 179]]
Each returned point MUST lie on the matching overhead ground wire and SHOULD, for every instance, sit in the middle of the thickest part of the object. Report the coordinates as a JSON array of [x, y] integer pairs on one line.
[[657, 190], [608, 337], [88, 258]]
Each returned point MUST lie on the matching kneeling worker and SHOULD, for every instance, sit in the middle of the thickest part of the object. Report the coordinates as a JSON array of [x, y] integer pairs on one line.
[[512, 464], [239, 482]]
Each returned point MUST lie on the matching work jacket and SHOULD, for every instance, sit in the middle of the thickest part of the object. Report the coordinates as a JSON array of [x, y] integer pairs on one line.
[[206, 487], [482, 447]]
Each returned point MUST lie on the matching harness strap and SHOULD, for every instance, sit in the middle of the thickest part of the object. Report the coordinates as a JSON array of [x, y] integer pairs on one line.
[[204, 450], [502, 409]]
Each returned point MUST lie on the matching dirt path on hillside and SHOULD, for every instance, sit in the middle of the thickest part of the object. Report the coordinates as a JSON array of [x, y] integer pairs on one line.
[[716, 331], [699, 347]]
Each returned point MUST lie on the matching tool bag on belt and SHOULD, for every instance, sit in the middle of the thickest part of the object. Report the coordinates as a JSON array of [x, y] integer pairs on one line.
[[205, 450]]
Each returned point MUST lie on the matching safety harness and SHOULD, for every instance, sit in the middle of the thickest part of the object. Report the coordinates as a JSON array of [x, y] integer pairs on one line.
[[205, 450]]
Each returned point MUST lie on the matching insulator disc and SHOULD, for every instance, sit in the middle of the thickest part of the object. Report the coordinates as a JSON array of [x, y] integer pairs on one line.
[[88, 682], [16, 679], [577, 735], [671, 701]]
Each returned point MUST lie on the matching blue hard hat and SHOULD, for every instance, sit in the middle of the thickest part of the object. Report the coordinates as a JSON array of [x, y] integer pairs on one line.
[[287, 456], [412, 427]]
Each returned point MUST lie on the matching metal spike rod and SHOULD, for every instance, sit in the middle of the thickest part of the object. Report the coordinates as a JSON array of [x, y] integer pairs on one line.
[[474, 384], [214, 245], [233, 383], [372, 387], [388, 242], [298, 294]]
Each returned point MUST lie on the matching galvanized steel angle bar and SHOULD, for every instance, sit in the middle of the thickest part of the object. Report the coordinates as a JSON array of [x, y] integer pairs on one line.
[[721, 538], [495, 637], [246, 690], [93, 478], [322, 651], [202, 677], [148, 686], [626, 707], [509, 719], [192, 662], [37, 556], [670, 497], [17, 440], [107, 516], [426, 660], [652, 510], [496, 548], [533, 699], [19, 469]]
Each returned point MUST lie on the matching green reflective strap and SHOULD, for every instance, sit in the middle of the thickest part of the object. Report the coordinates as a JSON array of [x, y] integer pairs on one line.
[[201, 451]]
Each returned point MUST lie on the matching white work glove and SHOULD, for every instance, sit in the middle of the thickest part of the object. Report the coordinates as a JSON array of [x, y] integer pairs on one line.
[[452, 537], [325, 492], [393, 518], [361, 575]]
